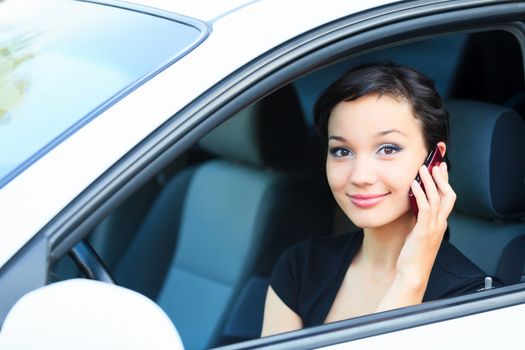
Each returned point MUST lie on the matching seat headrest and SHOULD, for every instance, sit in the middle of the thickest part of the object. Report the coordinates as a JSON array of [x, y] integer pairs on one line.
[[271, 132], [486, 146]]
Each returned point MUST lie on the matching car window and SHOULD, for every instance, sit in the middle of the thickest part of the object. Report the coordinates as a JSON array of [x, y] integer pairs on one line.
[[185, 239], [61, 60]]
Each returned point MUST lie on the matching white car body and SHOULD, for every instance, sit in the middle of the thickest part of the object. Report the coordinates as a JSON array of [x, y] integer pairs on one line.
[[37, 195]]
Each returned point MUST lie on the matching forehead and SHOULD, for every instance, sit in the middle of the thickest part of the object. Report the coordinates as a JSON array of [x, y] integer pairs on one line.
[[372, 114]]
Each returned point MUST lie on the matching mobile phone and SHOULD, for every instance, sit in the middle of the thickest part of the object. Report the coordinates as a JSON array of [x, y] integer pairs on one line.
[[434, 158]]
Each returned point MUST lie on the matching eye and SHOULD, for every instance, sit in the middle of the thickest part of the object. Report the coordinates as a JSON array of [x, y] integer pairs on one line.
[[388, 150], [339, 152]]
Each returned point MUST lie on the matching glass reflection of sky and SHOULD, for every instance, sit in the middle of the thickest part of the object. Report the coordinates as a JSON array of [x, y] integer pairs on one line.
[[58, 64]]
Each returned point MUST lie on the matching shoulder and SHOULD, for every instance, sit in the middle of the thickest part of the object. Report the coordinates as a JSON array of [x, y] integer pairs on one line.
[[453, 274]]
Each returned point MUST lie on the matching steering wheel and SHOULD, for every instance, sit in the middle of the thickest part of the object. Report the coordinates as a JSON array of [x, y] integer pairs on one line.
[[90, 263]]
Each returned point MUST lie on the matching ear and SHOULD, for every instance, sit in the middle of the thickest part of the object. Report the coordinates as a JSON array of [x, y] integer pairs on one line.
[[442, 148]]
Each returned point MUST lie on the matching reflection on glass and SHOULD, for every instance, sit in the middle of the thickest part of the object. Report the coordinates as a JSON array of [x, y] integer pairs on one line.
[[13, 83], [62, 60]]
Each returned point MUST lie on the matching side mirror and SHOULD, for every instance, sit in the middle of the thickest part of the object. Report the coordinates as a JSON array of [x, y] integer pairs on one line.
[[87, 314]]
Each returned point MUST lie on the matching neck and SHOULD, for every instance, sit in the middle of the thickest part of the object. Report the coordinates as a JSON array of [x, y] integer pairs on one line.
[[382, 245]]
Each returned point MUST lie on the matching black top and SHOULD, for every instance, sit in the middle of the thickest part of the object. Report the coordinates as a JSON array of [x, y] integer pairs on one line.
[[309, 274]]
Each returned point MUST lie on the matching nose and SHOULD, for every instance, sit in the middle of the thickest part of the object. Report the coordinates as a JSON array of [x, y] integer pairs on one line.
[[363, 172]]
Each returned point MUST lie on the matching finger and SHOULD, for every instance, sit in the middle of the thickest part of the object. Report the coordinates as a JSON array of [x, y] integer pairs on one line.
[[421, 200], [447, 194], [444, 170], [440, 176], [440, 179], [448, 199], [431, 191]]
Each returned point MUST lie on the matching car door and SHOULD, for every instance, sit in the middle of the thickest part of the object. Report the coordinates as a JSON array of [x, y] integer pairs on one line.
[[299, 58]]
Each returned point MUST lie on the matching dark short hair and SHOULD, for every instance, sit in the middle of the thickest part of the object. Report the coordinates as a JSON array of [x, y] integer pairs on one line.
[[388, 79]]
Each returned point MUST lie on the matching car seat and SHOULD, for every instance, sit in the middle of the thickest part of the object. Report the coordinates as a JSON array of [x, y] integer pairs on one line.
[[487, 172], [486, 224], [214, 224]]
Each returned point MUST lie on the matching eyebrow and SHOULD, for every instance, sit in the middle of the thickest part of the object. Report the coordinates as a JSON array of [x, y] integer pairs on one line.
[[379, 134], [389, 131], [337, 138]]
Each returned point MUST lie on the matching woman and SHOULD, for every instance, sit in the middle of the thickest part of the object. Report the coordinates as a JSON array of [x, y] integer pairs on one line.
[[380, 122]]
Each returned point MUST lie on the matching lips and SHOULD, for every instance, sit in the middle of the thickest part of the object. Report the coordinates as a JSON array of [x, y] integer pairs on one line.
[[367, 200]]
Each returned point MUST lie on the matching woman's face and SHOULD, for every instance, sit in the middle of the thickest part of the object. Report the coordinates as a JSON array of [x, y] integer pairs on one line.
[[375, 148]]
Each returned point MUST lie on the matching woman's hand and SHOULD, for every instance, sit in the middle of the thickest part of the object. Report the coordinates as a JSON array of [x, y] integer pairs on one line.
[[422, 244]]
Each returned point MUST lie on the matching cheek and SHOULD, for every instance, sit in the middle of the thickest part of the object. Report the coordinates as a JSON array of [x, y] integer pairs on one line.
[[337, 175], [400, 177]]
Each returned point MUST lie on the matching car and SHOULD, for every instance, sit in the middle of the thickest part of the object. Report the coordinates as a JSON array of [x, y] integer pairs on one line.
[[165, 151]]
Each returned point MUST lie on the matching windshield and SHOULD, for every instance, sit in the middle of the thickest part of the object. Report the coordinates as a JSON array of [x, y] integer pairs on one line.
[[62, 62]]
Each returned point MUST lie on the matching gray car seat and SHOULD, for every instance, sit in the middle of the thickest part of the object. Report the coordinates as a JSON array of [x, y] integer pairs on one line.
[[487, 174], [486, 148], [228, 218]]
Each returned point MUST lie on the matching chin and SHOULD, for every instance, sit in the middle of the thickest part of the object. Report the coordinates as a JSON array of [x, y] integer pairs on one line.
[[367, 225], [377, 219], [362, 221]]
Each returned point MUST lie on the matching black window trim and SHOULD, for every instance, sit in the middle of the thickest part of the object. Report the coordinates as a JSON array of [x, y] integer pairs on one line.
[[312, 50]]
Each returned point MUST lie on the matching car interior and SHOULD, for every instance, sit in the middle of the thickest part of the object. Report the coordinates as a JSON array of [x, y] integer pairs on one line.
[[202, 237]]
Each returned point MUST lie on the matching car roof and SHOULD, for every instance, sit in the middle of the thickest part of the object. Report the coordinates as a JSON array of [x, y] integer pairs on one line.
[[210, 11], [203, 10]]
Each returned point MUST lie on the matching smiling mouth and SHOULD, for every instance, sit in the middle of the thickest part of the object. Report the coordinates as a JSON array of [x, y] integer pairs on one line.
[[367, 200]]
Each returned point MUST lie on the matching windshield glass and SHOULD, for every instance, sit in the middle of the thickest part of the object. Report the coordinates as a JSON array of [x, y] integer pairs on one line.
[[62, 62]]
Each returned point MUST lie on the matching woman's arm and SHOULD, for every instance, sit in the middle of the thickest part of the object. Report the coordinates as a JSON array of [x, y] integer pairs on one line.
[[278, 317], [422, 244]]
